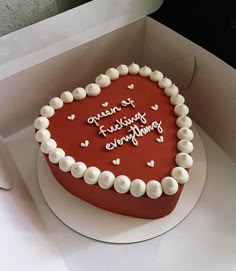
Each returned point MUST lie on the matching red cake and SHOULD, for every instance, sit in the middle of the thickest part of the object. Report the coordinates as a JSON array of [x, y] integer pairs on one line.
[[122, 143]]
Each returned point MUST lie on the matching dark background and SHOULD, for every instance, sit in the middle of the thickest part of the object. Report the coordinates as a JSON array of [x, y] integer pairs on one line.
[[210, 24]]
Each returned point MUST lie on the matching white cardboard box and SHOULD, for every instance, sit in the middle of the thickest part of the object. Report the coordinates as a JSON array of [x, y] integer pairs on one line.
[[47, 58]]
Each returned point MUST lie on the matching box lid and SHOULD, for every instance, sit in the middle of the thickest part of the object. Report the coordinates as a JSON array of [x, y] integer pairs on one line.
[[36, 43]]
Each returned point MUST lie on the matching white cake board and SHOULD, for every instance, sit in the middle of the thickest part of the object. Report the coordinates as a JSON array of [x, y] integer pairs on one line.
[[106, 226]]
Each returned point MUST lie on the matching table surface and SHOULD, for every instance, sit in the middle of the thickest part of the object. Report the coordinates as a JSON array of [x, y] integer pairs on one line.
[[33, 236]]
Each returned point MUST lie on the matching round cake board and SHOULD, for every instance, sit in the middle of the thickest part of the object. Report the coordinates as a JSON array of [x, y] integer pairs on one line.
[[106, 226]]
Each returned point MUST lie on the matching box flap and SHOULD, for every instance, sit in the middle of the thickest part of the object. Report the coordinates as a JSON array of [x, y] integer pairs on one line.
[[25, 92], [6, 167], [41, 41]]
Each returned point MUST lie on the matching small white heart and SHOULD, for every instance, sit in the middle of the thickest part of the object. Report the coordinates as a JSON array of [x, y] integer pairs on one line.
[[85, 144], [150, 163], [131, 86], [105, 104], [160, 139], [154, 107], [71, 117], [116, 161]]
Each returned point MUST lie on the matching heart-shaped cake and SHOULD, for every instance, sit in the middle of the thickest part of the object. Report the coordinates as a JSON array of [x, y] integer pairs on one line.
[[122, 143]]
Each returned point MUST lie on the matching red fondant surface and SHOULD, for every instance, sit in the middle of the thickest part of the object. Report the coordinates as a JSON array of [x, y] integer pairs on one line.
[[110, 200], [69, 135]]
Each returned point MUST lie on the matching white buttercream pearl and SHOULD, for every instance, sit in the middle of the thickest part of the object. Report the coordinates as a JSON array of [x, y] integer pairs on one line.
[[122, 69], [185, 133], [156, 76], [184, 121], [56, 103], [164, 83], [41, 122], [66, 163], [169, 185], [177, 99], [133, 68], [180, 175], [48, 145], [79, 93], [42, 134], [185, 146], [145, 71], [91, 175], [56, 155], [78, 169], [184, 160], [171, 90], [103, 80], [112, 73], [154, 189], [122, 184], [181, 110], [93, 90], [106, 179], [67, 97], [47, 111], [137, 188]]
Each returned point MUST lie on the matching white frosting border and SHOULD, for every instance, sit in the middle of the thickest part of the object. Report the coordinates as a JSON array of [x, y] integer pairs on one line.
[[94, 90]]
